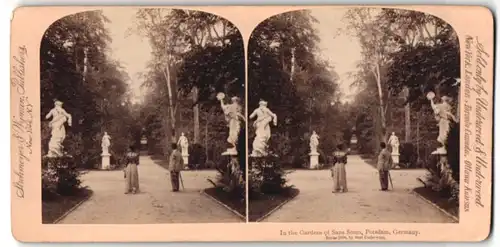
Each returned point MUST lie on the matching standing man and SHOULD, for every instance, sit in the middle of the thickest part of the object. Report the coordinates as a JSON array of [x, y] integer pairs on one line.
[[384, 164], [175, 166]]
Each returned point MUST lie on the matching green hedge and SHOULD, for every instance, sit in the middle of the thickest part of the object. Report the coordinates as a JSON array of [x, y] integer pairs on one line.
[[60, 176]]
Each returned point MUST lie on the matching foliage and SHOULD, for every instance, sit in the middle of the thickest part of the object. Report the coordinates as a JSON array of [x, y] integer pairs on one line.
[[408, 155], [453, 144], [444, 179], [231, 175], [266, 176], [285, 69], [75, 69], [197, 157], [59, 176], [195, 56], [416, 52], [231, 179]]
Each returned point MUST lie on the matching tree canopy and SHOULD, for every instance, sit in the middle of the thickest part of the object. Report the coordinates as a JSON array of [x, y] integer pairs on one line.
[[76, 70]]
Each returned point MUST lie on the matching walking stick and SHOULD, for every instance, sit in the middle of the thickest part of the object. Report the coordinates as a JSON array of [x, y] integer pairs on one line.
[[390, 179], [182, 183]]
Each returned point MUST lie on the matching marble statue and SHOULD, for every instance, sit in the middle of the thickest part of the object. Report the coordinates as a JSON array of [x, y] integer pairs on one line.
[[394, 142], [444, 116], [183, 144], [105, 156], [262, 128], [233, 116], [58, 131], [105, 143], [314, 142], [314, 155]]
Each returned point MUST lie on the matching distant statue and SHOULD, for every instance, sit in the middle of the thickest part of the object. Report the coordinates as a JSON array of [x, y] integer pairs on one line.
[[262, 128], [444, 116], [233, 116], [394, 142], [184, 144], [314, 142], [105, 143], [58, 131]]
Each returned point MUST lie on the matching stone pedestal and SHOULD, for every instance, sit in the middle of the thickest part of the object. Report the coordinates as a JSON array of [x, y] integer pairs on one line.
[[395, 159], [313, 160], [185, 159], [105, 165]]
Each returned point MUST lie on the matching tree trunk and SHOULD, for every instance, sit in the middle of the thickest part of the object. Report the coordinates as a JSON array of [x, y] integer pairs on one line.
[[171, 108], [292, 64], [196, 116], [418, 138], [407, 117], [381, 102], [206, 136]]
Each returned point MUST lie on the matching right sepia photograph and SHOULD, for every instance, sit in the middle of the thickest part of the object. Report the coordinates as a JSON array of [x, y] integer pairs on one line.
[[353, 117]]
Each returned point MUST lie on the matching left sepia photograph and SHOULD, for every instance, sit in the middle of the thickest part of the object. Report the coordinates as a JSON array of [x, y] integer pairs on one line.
[[143, 118]]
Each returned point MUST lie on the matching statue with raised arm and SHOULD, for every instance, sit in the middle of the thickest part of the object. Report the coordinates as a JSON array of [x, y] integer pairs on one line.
[[444, 116], [105, 143], [183, 144], [233, 116], [314, 142], [262, 128], [58, 132], [394, 142]]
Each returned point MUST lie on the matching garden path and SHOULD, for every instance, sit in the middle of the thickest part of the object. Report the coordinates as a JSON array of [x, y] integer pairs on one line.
[[362, 203], [154, 204]]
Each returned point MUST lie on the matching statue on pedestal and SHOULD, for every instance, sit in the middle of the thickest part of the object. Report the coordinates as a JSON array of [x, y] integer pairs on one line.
[[443, 115], [233, 115], [262, 128], [314, 155], [105, 143], [314, 142], [394, 142], [184, 145], [58, 131]]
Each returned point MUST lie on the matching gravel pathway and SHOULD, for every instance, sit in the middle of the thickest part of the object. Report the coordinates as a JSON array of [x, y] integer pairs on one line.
[[155, 204], [363, 203]]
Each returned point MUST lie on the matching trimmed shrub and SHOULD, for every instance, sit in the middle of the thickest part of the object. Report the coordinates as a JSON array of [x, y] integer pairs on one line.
[[438, 177], [266, 176], [59, 176], [408, 155], [197, 156], [230, 179], [231, 171]]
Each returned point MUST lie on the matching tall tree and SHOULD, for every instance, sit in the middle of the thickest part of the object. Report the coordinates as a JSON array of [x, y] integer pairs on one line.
[[205, 56], [375, 42], [76, 69], [286, 70]]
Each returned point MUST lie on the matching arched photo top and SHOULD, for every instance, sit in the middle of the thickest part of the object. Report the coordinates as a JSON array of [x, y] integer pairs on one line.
[[134, 39], [355, 82], [344, 37], [111, 78]]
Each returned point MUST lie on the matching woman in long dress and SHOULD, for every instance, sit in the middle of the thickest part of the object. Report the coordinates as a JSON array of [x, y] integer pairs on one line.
[[338, 169], [131, 172]]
